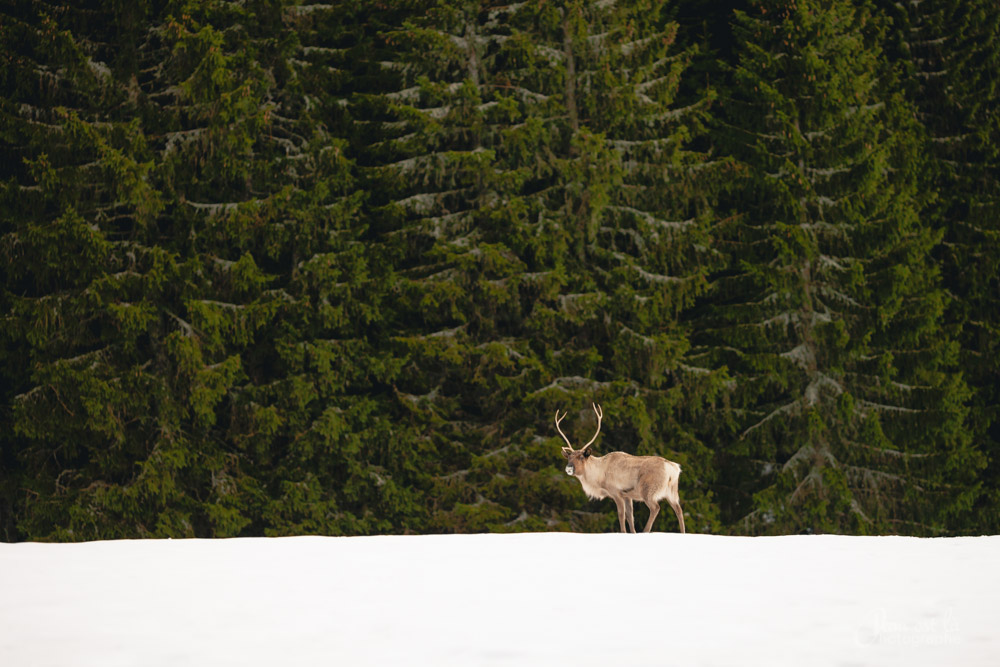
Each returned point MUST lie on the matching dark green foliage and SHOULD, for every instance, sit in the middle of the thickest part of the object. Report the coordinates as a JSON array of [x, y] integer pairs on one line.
[[948, 54], [849, 410], [277, 268]]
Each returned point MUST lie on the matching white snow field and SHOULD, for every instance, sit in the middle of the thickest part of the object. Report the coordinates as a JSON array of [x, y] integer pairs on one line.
[[525, 599]]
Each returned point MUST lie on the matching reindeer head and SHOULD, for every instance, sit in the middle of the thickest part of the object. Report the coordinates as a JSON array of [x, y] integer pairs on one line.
[[576, 459]]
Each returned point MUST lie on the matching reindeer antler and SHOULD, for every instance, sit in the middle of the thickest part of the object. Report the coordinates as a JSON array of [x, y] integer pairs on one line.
[[600, 415], [559, 419]]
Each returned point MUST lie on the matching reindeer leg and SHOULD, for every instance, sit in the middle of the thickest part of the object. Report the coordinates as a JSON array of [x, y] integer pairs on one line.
[[620, 504], [628, 515], [676, 506], [654, 509]]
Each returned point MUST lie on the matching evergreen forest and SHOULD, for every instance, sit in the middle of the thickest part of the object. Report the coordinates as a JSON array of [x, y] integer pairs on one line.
[[277, 268]]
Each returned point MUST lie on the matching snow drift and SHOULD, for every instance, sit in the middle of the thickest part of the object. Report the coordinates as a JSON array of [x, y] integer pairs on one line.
[[525, 599]]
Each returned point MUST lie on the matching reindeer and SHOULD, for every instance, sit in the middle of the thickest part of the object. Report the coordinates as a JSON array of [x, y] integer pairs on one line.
[[624, 478]]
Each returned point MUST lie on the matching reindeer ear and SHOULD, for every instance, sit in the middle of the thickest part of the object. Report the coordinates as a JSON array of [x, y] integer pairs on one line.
[[566, 452], [586, 452]]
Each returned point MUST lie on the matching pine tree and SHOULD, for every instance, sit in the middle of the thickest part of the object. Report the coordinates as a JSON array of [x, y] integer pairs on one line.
[[541, 191], [850, 413], [180, 230], [948, 53], [273, 268], [628, 203], [79, 280], [322, 414]]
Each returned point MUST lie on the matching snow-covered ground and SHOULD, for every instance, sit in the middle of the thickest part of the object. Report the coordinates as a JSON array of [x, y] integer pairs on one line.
[[527, 599]]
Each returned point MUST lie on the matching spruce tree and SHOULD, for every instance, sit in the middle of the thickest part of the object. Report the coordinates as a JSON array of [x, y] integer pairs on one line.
[[628, 203], [949, 53], [81, 279], [277, 268], [850, 415], [321, 418], [547, 214], [183, 247]]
